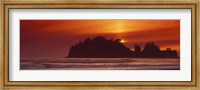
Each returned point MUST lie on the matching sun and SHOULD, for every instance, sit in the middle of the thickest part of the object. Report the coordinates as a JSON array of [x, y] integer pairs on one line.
[[122, 41]]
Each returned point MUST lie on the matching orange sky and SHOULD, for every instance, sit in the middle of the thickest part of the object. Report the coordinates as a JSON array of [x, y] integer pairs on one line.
[[53, 38]]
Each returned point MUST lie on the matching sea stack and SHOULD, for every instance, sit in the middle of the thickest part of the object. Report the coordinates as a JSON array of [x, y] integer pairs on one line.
[[100, 47]]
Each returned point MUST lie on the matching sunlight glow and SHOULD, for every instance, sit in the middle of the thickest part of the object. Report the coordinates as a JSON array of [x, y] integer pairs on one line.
[[122, 41], [119, 28]]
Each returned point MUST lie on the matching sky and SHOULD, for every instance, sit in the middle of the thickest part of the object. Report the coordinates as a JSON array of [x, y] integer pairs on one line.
[[53, 38]]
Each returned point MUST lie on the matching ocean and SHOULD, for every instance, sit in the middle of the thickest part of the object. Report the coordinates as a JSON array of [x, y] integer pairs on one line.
[[46, 63]]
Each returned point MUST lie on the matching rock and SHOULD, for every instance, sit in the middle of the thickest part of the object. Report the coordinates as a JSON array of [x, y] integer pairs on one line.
[[100, 47]]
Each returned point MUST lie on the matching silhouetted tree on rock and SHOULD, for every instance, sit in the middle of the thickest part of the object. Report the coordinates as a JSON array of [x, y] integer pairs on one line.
[[138, 51]]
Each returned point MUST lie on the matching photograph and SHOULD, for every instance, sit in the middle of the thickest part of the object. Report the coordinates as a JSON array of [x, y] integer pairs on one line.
[[102, 44]]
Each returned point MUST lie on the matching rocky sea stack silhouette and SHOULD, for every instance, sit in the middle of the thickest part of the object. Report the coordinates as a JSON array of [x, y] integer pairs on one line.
[[100, 47]]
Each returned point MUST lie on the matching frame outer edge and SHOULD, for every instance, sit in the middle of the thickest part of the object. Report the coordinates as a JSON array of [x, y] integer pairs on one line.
[[198, 46], [1, 46], [3, 50]]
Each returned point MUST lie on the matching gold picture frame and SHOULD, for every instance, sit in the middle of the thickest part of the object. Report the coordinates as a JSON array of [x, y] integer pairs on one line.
[[175, 85]]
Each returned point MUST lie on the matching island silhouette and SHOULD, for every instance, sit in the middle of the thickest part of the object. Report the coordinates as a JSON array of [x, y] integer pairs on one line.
[[100, 47]]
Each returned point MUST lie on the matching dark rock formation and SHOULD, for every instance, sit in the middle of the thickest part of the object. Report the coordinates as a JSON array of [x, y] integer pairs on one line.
[[100, 47], [153, 51], [169, 53]]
